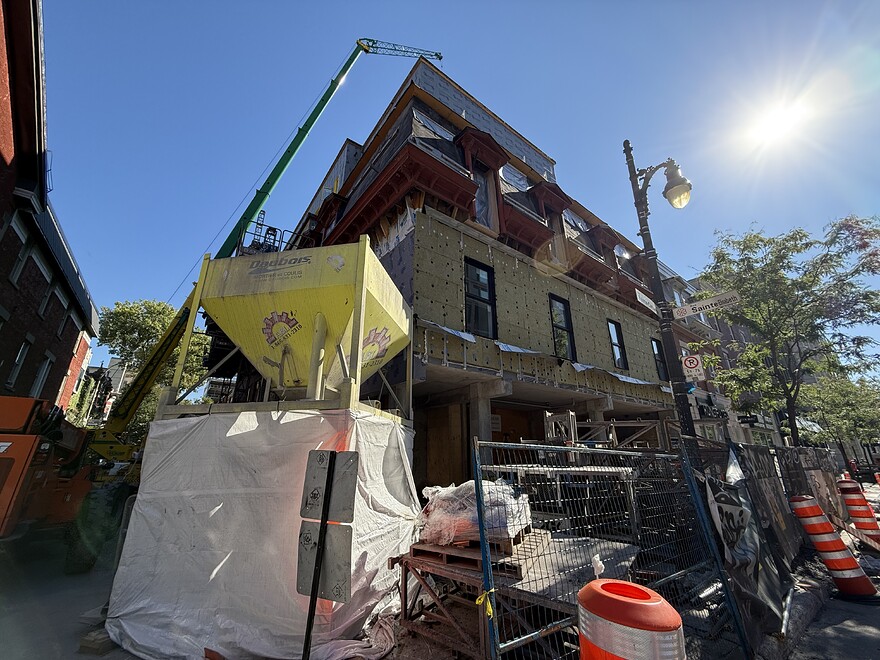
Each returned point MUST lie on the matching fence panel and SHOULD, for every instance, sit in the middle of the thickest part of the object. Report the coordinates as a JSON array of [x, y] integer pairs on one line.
[[770, 501], [793, 476], [760, 577], [617, 514]]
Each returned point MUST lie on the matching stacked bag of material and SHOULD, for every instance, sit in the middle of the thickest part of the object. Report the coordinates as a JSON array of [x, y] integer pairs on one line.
[[451, 513]]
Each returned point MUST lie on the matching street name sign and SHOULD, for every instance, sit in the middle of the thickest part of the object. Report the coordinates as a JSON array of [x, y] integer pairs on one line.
[[693, 368], [707, 305], [647, 302]]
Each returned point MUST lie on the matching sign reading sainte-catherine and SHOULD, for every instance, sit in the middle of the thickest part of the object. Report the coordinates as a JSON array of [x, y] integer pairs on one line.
[[707, 305]]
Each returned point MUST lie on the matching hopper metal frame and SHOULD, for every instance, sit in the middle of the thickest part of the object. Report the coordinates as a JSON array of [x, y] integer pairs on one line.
[[319, 397]]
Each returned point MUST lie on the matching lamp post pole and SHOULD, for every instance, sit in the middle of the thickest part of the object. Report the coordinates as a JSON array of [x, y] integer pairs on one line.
[[640, 180]]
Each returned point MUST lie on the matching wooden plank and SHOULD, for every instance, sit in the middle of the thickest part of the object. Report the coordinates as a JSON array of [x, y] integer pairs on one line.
[[468, 558]]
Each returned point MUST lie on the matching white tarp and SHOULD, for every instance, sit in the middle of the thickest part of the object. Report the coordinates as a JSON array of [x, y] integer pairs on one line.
[[210, 558]]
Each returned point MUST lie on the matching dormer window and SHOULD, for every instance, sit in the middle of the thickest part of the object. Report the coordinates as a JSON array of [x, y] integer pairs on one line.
[[433, 126], [514, 177], [485, 204]]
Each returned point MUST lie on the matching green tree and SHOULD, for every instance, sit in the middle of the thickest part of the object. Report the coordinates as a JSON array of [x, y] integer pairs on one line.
[[130, 329], [78, 406], [803, 299], [847, 410]]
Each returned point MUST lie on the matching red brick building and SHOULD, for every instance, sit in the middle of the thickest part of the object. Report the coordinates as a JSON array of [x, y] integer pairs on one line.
[[47, 317]]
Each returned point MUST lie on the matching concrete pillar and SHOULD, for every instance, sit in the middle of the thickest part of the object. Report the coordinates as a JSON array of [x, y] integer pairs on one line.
[[480, 397], [596, 409]]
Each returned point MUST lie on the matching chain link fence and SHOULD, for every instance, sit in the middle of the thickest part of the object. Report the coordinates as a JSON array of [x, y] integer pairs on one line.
[[591, 513]]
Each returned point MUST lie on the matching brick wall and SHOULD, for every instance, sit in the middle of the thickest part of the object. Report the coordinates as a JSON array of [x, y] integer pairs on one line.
[[7, 140], [32, 312], [78, 362]]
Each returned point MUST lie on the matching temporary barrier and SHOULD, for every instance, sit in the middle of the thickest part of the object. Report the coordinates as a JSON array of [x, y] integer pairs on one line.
[[840, 562], [610, 513], [619, 619], [861, 512]]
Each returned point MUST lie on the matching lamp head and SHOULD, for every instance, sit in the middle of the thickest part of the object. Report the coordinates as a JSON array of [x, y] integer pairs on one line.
[[678, 189]]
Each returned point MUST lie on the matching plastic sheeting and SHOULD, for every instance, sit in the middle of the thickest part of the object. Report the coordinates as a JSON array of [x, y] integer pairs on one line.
[[451, 513], [210, 558]]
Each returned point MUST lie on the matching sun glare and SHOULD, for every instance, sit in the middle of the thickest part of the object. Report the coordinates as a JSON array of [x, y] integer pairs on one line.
[[779, 123]]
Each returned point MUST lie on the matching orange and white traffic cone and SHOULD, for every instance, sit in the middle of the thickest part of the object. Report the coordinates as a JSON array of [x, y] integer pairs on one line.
[[619, 620], [848, 576], [861, 512]]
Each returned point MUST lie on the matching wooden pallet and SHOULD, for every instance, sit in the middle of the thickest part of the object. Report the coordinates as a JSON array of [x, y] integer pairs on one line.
[[467, 558], [503, 546]]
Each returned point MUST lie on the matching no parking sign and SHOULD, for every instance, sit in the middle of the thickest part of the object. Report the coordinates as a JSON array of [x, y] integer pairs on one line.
[[693, 368]]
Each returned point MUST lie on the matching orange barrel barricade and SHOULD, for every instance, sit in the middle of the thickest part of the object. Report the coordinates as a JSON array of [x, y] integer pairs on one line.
[[860, 511], [848, 576], [622, 620]]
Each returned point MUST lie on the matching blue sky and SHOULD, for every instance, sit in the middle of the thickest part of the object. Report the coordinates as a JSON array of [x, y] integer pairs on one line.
[[162, 115]]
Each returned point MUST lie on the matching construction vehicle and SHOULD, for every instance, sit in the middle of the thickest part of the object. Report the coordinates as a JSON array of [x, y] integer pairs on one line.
[[54, 475]]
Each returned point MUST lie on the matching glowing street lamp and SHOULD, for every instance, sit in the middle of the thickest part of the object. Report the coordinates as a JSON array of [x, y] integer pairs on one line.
[[678, 194]]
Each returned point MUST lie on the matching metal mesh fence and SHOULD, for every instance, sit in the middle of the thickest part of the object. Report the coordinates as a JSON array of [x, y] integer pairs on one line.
[[571, 514]]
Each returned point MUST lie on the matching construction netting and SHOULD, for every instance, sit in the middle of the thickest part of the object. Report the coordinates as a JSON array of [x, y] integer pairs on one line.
[[210, 559]]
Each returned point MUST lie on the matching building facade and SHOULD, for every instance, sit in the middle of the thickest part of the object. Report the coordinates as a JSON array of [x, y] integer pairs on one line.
[[523, 303], [47, 317]]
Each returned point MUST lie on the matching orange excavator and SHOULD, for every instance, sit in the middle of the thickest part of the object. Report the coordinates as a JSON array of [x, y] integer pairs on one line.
[[54, 475], [46, 485]]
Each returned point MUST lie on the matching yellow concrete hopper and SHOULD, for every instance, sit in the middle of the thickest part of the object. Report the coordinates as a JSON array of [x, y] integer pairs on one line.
[[270, 305]]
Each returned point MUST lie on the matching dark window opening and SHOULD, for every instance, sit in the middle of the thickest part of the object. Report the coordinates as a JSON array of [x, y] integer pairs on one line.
[[481, 200], [660, 360], [563, 332], [618, 350], [479, 296]]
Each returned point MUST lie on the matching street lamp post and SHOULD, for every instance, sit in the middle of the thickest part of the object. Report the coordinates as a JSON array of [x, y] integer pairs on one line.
[[678, 193]]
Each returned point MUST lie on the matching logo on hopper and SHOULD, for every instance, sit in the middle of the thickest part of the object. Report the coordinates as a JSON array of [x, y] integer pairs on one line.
[[375, 345], [264, 266], [276, 327], [336, 261]]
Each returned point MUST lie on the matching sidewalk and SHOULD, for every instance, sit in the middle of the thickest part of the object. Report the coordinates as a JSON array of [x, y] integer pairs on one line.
[[844, 629]]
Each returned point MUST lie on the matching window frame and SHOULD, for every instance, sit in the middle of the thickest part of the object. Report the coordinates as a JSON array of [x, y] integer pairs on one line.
[[660, 360], [481, 171], [491, 303], [568, 328], [20, 358], [617, 342], [42, 375]]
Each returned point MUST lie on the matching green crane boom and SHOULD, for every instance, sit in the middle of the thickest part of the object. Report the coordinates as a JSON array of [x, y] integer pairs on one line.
[[262, 195]]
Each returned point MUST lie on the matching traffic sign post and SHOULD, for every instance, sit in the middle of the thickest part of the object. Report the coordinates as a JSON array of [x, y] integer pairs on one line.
[[693, 368]]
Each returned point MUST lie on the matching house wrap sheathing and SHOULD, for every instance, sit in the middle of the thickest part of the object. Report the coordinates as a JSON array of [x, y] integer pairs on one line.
[[210, 558]]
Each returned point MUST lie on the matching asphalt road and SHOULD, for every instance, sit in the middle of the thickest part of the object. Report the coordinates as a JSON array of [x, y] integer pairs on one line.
[[40, 606]]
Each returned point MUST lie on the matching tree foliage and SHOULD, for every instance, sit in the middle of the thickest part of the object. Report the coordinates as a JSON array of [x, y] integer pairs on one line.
[[130, 329], [803, 298], [847, 410]]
